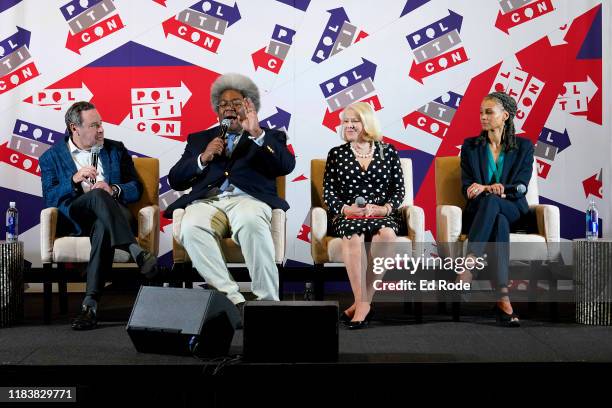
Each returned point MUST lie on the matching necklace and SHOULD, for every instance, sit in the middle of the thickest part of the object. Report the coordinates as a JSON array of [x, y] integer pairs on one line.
[[363, 155]]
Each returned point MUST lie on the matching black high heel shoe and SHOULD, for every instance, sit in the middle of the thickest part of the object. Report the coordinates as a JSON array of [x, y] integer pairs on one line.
[[361, 324], [504, 319], [344, 318]]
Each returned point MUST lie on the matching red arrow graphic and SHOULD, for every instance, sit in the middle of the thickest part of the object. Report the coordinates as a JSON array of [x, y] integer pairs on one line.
[[438, 64], [331, 120], [190, 34], [593, 186], [18, 160], [514, 18], [261, 59], [92, 34]]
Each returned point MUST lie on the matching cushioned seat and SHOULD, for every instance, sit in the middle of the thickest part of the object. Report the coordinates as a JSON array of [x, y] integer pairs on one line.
[[56, 250], [231, 251], [328, 249]]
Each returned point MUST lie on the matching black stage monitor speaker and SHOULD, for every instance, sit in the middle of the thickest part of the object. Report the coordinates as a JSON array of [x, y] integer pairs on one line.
[[290, 331], [182, 321]]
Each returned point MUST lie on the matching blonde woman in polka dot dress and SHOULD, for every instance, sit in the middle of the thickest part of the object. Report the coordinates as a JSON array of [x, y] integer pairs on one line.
[[367, 168]]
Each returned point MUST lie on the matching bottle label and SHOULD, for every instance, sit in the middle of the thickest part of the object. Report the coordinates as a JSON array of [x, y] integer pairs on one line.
[[10, 225]]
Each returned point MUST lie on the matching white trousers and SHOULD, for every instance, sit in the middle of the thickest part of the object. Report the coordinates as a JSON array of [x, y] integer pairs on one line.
[[248, 221]]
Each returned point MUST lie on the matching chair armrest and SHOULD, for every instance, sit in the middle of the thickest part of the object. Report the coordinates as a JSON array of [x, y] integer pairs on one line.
[[148, 228], [415, 224], [318, 232], [448, 223], [548, 221], [179, 254], [48, 227], [279, 233]]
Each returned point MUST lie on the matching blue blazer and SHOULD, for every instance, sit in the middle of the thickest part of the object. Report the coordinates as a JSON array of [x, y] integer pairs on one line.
[[57, 169], [251, 168], [518, 166]]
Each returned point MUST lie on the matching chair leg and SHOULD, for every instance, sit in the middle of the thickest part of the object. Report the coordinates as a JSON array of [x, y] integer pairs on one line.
[[456, 310], [418, 311], [281, 281], [553, 304], [47, 293], [63, 297], [534, 274], [62, 287], [318, 281]]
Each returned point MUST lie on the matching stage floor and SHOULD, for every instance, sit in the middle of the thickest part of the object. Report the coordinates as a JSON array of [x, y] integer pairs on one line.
[[395, 358], [393, 337]]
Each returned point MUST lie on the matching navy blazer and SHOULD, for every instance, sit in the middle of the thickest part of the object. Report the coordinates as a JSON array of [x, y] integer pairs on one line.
[[251, 168], [57, 168], [518, 166]]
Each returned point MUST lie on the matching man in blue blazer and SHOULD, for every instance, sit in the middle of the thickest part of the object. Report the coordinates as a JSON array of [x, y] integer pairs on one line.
[[233, 190], [92, 199]]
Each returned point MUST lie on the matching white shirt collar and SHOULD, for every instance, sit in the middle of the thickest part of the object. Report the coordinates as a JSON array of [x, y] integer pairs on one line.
[[73, 148]]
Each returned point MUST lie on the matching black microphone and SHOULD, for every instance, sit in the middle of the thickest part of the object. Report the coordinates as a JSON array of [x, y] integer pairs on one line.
[[515, 189], [360, 201], [95, 154], [225, 124]]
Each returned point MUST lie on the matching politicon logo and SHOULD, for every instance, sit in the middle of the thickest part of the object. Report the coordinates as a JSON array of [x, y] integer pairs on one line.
[[437, 47], [16, 64], [90, 21], [203, 24], [354, 85]]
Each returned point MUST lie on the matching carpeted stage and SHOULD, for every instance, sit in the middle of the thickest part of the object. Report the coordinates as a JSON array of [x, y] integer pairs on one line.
[[394, 347]]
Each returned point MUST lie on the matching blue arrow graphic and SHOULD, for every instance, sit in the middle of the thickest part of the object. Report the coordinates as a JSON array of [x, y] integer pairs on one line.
[[279, 120], [218, 10], [20, 38], [298, 4], [560, 140], [449, 23], [353, 76], [412, 5]]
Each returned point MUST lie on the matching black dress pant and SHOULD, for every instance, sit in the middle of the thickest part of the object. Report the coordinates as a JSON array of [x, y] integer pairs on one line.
[[109, 225], [490, 228]]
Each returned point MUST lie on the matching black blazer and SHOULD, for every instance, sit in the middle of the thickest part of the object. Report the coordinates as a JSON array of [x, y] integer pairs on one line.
[[251, 168], [518, 166]]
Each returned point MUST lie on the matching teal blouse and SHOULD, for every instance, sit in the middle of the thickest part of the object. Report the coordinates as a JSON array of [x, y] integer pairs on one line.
[[494, 170]]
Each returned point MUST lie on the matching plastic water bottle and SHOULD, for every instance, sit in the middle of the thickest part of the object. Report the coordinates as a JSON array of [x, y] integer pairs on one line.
[[308, 292], [592, 221], [12, 223]]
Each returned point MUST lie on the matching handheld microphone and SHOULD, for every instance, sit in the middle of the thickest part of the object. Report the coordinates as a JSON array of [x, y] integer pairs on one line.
[[515, 189], [225, 124], [95, 154], [361, 202]]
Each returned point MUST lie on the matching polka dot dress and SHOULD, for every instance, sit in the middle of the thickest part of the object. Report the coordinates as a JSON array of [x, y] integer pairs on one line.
[[345, 180]]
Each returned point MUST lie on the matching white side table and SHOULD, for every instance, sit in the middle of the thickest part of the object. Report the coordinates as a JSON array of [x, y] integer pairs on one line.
[[593, 283]]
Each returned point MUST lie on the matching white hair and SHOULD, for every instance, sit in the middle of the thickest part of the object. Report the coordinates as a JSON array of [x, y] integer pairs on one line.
[[236, 82]]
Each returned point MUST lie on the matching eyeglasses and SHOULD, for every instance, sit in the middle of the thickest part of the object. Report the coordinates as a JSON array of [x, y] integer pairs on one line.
[[236, 103]]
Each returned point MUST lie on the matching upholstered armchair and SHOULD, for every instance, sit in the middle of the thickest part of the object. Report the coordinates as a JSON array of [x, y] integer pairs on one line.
[[231, 251], [538, 242], [328, 249], [58, 251]]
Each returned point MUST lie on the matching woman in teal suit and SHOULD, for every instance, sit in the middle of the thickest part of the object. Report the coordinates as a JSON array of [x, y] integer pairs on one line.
[[496, 167]]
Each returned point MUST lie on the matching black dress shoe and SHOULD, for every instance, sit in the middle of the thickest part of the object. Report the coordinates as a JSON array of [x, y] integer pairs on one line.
[[361, 324], [86, 320], [147, 263]]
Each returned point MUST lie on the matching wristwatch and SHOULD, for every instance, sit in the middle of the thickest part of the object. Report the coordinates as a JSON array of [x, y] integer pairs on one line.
[[116, 191]]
